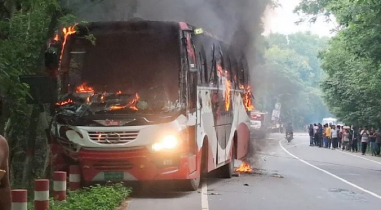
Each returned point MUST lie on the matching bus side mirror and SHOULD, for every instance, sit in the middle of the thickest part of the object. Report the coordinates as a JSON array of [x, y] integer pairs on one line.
[[42, 89]]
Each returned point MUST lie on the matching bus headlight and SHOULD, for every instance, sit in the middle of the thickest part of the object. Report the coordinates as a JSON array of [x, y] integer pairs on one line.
[[168, 142]]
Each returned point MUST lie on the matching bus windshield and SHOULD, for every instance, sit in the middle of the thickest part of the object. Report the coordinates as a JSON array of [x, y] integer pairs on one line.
[[129, 72]]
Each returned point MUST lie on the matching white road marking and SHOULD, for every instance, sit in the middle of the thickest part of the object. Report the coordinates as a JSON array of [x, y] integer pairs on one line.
[[294, 145], [359, 157], [204, 197], [333, 175]]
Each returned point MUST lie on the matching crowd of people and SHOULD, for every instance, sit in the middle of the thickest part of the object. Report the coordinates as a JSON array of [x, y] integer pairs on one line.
[[346, 138]]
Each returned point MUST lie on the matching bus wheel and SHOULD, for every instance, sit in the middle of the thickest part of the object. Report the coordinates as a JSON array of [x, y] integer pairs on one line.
[[191, 184], [228, 169]]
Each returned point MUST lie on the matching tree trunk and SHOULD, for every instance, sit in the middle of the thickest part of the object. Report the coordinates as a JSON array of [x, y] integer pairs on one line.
[[31, 145], [4, 115], [47, 172]]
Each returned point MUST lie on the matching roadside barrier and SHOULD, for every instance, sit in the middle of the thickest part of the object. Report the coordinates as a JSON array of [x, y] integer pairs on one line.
[[74, 177], [41, 190], [19, 199], [59, 186], [41, 194]]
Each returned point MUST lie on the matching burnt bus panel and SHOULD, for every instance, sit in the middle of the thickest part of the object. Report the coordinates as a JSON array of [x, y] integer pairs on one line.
[[216, 52]]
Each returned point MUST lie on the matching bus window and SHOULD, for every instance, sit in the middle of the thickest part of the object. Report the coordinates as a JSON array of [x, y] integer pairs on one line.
[[191, 52], [192, 74], [203, 76], [213, 78]]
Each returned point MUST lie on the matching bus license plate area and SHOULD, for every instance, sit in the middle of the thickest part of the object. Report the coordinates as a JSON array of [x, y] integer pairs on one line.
[[114, 176]]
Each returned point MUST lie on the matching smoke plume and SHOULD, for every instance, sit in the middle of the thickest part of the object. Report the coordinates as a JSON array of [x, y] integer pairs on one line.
[[237, 22]]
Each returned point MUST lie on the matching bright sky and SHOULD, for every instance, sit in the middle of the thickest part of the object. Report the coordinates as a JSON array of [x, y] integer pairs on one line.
[[282, 20]]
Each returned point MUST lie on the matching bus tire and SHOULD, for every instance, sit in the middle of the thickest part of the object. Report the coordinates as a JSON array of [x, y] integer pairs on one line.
[[191, 184], [227, 170]]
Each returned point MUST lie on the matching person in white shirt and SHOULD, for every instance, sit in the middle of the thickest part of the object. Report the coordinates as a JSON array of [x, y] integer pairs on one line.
[[334, 136], [364, 140], [316, 134]]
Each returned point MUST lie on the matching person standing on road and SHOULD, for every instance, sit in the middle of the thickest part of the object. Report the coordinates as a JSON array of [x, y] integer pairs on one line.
[[328, 134], [320, 135], [378, 142], [334, 137], [316, 135], [325, 135], [355, 140], [345, 140], [5, 189], [311, 132], [364, 140], [359, 138], [372, 141], [339, 135]]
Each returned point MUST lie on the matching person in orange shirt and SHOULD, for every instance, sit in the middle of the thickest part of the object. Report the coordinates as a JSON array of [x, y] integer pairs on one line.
[[328, 134], [5, 189]]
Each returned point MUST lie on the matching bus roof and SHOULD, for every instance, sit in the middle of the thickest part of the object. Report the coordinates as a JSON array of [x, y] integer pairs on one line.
[[138, 24]]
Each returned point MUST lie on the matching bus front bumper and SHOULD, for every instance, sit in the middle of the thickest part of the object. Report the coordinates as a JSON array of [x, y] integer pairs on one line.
[[136, 165]]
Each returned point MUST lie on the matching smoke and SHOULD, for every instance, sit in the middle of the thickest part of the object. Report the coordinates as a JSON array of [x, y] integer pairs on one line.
[[237, 22]]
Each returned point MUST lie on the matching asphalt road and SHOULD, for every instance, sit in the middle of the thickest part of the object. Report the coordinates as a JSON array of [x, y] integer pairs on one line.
[[286, 176]]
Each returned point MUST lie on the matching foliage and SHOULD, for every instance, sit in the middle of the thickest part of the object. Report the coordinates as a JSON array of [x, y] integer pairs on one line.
[[291, 76], [25, 26], [23, 37], [95, 197], [352, 62]]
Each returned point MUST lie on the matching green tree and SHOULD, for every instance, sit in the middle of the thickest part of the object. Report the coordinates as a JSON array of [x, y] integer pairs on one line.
[[291, 76], [25, 26], [352, 61]]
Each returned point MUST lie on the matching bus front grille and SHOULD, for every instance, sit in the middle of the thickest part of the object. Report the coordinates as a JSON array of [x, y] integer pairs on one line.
[[120, 137]]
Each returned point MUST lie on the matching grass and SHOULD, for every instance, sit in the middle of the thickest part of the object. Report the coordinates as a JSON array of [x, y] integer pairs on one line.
[[92, 198]]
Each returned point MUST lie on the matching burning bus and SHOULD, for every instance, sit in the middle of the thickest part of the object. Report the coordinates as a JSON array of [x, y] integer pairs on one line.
[[147, 101]]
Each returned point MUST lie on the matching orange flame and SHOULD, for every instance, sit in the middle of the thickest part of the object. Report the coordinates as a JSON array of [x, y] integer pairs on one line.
[[227, 93], [56, 37], [244, 168], [66, 32], [119, 92], [69, 101], [84, 89], [220, 70], [247, 100], [131, 104]]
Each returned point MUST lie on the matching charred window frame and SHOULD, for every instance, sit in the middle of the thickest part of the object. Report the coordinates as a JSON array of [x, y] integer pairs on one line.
[[192, 75], [213, 69], [241, 73], [245, 70], [221, 62], [65, 64], [230, 68], [203, 66], [226, 63], [234, 69], [217, 60]]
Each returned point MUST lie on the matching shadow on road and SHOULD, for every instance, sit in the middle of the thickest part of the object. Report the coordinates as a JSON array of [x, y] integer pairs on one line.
[[158, 190]]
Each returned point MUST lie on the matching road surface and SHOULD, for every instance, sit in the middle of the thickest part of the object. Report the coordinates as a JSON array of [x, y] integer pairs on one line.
[[286, 176]]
